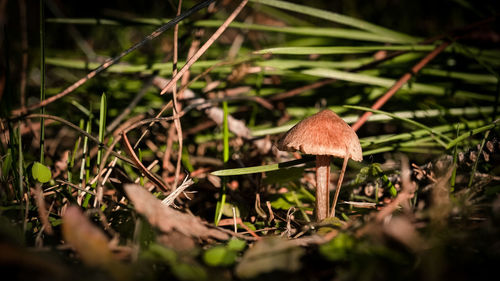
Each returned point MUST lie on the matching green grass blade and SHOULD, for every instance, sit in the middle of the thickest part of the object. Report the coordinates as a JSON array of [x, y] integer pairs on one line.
[[102, 125], [341, 19], [338, 50], [455, 163], [225, 156], [343, 33], [42, 79], [471, 133], [417, 134], [226, 132], [468, 77], [71, 160], [428, 113], [290, 64], [386, 82], [164, 68], [83, 21], [413, 122], [263, 168]]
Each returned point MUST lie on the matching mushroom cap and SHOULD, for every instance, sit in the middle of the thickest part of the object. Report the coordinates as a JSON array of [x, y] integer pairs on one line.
[[323, 133]]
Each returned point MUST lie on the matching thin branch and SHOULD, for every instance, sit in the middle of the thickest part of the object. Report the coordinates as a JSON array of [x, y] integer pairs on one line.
[[205, 47], [114, 60], [177, 122], [157, 182], [400, 83], [79, 130]]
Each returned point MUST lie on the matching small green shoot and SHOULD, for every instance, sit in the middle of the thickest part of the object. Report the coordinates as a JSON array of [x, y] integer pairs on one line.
[[102, 126], [220, 205]]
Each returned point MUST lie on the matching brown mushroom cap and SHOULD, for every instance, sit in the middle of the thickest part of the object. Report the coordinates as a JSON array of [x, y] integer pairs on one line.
[[323, 133]]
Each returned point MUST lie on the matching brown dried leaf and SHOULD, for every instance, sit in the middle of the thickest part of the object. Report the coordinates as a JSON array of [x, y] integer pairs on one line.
[[402, 230], [167, 219], [91, 243], [88, 240], [270, 254]]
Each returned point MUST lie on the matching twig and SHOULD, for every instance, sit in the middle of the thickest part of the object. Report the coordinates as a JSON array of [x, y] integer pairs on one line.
[[400, 83], [42, 210], [130, 151], [205, 46], [240, 223], [302, 89], [177, 122], [114, 60], [76, 128], [76, 186]]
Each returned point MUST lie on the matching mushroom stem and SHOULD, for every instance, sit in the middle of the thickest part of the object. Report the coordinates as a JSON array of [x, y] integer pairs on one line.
[[339, 185], [322, 181]]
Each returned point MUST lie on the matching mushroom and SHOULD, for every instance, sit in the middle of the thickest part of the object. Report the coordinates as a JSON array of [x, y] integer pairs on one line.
[[323, 134]]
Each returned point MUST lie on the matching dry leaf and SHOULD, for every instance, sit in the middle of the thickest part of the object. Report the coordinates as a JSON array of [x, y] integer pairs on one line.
[[270, 254], [167, 219], [402, 230], [88, 240], [91, 243]]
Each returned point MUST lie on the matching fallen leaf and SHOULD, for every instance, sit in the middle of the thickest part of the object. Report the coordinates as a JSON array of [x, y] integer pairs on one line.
[[91, 243], [270, 254], [167, 219], [402, 230], [88, 240]]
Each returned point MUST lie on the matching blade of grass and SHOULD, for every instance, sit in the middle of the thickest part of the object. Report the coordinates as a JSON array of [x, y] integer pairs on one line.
[[386, 82], [343, 33], [470, 133], [371, 141], [415, 123], [290, 64], [468, 77], [341, 19], [71, 159], [225, 156], [430, 113], [102, 132], [102, 125], [164, 68], [336, 50], [42, 80], [263, 168], [85, 166], [455, 162]]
